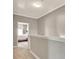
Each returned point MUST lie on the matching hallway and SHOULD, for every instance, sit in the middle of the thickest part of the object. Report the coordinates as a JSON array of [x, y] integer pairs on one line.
[[21, 53]]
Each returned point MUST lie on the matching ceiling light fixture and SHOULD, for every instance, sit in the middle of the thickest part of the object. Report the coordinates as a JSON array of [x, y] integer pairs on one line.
[[38, 3]]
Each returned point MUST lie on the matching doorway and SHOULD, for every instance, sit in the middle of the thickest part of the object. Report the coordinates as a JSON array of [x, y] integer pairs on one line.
[[22, 35]]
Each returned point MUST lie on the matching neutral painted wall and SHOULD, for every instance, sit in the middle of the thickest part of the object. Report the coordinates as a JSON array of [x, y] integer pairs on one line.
[[14, 33], [53, 23], [39, 46], [45, 48], [60, 24], [32, 26], [41, 26]]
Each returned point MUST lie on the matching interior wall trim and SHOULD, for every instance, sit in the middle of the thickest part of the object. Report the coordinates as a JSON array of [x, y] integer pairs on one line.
[[34, 54]]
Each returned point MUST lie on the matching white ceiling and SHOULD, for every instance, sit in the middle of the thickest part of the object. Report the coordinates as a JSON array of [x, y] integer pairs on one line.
[[26, 8]]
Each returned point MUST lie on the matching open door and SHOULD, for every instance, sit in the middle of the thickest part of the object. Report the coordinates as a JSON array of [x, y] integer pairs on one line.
[[22, 35]]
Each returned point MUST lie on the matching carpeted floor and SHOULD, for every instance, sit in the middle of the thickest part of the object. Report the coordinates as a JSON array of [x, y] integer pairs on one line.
[[22, 53]]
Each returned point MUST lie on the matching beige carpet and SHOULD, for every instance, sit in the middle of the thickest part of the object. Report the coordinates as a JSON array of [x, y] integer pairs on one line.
[[22, 53]]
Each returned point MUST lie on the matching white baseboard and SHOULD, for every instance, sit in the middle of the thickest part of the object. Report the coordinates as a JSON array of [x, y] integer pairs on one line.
[[34, 54]]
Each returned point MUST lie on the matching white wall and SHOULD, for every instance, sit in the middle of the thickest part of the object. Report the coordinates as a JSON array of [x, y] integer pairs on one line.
[[53, 23], [32, 26]]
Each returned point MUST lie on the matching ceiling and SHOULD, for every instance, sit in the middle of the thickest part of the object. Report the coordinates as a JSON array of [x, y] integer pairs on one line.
[[28, 8]]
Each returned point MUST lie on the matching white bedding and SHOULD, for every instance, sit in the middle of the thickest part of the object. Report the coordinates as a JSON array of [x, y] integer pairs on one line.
[[22, 37]]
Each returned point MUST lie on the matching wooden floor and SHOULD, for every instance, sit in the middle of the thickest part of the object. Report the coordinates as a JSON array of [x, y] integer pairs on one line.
[[21, 53]]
